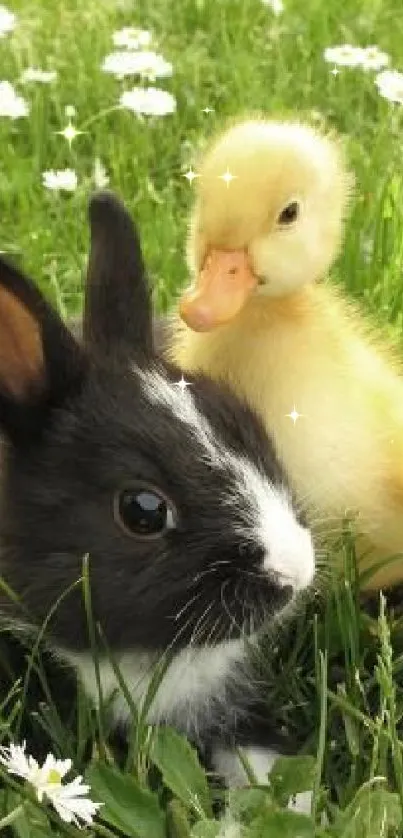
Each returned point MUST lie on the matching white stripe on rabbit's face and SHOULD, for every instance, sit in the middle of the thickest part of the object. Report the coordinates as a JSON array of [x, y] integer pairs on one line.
[[265, 509], [288, 545]]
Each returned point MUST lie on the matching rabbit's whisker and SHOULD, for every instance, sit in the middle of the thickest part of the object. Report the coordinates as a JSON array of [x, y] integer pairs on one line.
[[199, 623], [213, 569], [187, 605], [233, 622], [211, 632]]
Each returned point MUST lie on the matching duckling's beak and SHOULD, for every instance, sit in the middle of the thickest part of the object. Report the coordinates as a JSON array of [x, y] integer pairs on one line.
[[222, 289]]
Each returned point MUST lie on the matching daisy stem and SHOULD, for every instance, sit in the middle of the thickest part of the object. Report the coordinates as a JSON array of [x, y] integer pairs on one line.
[[100, 829], [12, 816], [101, 114]]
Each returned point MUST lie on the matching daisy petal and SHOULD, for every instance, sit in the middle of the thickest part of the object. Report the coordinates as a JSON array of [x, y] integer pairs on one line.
[[63, 180], [344, 55], [7, 21], [149, 101], [144, 63], [11, 104], [33, 74], [100, 175], [276, 6], [69, 799], [390, 85], [131, 38], [374, 58]]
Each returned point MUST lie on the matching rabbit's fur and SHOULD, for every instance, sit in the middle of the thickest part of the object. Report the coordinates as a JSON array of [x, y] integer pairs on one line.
[[83, 424]]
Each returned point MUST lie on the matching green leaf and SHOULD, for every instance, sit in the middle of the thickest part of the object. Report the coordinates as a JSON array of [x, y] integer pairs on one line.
[[178, 823], [133, 810], [284, 824], [206, 829], [352, 730], [181, 770], [246, 803], [30, 827], [371, 813], [292, 775], [31, 823]]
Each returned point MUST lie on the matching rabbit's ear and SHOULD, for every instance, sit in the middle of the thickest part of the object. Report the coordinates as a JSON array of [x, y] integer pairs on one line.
[[40, 362], [117, 308]]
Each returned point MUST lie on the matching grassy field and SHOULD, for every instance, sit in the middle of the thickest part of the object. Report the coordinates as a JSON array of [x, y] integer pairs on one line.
[[335, 678]]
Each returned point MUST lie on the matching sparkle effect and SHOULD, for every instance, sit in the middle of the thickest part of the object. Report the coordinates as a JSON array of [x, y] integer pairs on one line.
[[190, 175], [208, 110], [69, 133], [182, 384], [227, 177], [294, 415]]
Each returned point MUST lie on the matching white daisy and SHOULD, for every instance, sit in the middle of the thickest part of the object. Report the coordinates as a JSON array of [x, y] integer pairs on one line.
[[374, 58], [70, 800], [144, 63], [62, 180], [277, 6], [345, 55], [390, 85], [100, 175], [33, 74], [7, 21], [11, 104], [131, 38], [18, 762], [149, 101]]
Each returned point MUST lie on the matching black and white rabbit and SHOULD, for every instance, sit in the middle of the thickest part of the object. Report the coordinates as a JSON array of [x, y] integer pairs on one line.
[[174, 492]]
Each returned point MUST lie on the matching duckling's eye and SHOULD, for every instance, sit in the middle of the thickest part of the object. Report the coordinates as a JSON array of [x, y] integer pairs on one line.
[[143, 512], [289, 214]]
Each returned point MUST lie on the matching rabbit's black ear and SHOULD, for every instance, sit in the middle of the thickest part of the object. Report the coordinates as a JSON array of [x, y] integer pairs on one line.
[[117, 308], [40, 363]]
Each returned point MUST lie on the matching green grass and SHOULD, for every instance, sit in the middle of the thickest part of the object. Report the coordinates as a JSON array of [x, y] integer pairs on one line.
[[333, 680]]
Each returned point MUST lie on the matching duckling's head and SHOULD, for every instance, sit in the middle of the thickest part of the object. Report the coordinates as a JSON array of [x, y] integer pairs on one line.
[[268, 217]]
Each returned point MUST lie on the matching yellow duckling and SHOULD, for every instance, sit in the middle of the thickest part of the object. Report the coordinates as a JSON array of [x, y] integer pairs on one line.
[[267, 223]]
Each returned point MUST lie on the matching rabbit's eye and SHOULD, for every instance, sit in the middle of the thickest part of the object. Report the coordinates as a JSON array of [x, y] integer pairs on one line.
[[143, 512], [289, 214]]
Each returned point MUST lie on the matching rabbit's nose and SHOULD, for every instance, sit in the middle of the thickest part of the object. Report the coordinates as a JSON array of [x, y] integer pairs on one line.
[[291, 556]]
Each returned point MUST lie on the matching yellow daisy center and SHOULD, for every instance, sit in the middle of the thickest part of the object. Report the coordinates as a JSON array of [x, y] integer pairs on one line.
[[54, 777]]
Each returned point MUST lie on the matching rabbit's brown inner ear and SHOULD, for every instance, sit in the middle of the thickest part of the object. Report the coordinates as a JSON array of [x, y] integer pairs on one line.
[[22, 366]]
